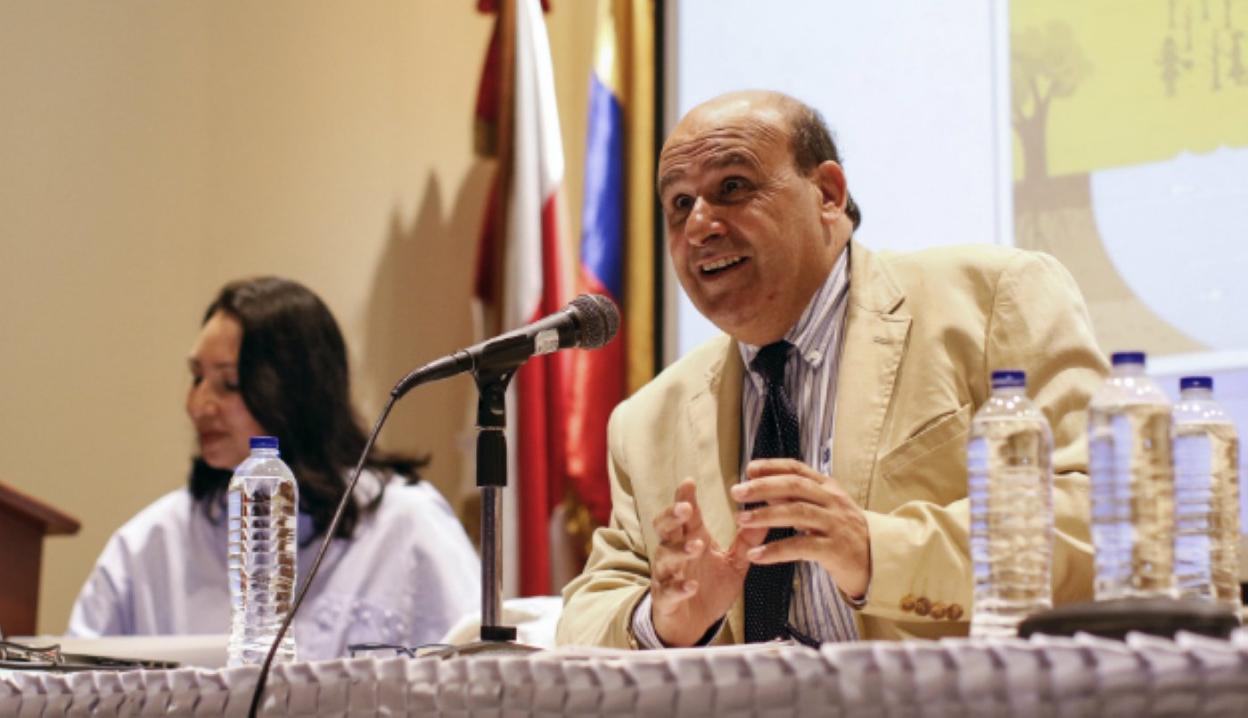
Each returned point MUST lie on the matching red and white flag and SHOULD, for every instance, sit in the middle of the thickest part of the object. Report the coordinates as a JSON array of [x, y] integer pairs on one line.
[[523, 275]]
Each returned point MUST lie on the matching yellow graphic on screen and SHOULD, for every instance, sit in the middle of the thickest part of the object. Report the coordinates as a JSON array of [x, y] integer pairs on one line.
[[1099, 86]]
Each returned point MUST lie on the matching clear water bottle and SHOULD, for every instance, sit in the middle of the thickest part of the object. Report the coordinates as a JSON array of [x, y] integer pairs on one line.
[[1010, 485], [1206, 494], [1129, 460], [264, 501]]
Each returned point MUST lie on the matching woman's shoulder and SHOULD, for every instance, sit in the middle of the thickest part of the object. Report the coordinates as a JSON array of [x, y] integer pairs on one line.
[[421, 496], [175, 508], [420, 505], [174, 522]]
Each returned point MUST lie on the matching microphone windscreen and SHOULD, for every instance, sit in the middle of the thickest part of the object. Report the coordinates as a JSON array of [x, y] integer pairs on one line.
[[600, 319]]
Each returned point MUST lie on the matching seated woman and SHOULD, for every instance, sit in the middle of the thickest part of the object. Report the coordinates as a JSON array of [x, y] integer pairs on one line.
[[270, 360]]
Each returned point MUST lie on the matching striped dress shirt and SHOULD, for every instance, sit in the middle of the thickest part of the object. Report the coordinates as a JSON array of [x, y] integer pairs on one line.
[[818, 609]]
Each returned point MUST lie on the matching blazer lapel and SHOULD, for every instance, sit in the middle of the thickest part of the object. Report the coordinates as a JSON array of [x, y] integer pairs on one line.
[[714, 420], [875, 340]]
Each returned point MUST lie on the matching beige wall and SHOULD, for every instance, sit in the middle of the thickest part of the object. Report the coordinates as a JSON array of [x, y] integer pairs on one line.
[[152, 150]]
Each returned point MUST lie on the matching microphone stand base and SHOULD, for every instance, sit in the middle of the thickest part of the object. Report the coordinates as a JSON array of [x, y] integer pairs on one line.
[[495, 648]]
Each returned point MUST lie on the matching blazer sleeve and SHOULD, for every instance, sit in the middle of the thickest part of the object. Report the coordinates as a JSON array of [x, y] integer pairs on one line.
[[598, 605], [1039, 323]]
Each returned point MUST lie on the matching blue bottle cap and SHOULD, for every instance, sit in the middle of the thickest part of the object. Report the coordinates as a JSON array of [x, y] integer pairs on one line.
[[264, 442], [1008, 378], [1127, 358], [1196, 382]]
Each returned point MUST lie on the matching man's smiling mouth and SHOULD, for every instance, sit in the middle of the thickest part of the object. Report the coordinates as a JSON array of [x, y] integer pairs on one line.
[[721, 264]]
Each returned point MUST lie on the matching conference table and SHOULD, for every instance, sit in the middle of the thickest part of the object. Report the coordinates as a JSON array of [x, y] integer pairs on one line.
[[1044, 675]]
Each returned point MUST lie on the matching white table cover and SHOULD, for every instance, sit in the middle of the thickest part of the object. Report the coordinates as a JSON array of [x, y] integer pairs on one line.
[[1082, 676]]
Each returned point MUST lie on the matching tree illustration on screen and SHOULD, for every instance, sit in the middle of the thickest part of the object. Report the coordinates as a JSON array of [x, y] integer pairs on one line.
[[1046, 64], [1055, 213]]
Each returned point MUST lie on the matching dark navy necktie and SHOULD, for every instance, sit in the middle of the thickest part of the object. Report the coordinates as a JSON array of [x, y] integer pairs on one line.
[[769, 589]]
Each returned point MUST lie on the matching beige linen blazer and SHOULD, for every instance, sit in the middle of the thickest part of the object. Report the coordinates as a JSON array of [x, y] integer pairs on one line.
[[923, 333]]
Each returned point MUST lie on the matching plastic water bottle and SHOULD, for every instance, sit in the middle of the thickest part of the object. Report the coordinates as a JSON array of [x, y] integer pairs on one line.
[[1206, 493], [1129, 459], [264, 501], [1010, 485]]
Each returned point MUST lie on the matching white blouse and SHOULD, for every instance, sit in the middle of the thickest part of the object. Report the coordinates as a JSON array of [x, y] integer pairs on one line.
[[405, 577]]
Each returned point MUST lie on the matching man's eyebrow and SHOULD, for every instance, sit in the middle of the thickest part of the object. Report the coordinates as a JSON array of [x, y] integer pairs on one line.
[[666, 180], [731, 158]]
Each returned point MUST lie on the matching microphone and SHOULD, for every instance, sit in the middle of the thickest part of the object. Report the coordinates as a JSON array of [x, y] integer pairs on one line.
[[588, 322]]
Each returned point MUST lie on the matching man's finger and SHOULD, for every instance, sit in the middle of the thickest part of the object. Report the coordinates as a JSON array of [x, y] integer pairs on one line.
[[770, 467], [672, 524], [670, 564], [694, 548], [687, 493], [746, 539], [799, 515], [781, 488], [795, 548]]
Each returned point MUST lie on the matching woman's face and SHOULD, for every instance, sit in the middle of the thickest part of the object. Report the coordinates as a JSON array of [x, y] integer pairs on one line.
[[223, 425]]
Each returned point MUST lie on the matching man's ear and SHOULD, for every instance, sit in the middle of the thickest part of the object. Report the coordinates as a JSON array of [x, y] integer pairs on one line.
[[830, 179]]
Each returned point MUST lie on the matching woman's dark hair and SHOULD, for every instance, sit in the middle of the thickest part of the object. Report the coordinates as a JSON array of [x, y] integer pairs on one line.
[[292, 372]]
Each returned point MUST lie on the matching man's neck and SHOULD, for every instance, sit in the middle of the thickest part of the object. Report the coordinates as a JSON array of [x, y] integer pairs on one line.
[[834, 281]]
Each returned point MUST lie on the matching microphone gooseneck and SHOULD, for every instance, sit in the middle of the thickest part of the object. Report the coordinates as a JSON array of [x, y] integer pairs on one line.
[[588, 322]]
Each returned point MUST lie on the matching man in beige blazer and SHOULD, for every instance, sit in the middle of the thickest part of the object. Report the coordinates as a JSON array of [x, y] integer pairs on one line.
[[755, 227]]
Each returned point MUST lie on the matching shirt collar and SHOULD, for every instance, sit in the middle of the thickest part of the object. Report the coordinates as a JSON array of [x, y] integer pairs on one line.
[[821, 310]]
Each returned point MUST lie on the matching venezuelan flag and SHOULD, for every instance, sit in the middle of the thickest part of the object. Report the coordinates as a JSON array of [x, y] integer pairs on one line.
[[617, 246]]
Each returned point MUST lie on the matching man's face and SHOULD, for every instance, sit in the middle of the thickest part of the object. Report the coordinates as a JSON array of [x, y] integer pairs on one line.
[[751, 239]]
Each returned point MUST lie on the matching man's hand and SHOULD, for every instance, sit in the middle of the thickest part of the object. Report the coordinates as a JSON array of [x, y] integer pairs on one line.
[[831, 529], [694, 583]]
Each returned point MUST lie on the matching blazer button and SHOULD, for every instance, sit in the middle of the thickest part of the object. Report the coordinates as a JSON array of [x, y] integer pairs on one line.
[[922, 606], [954, 612], [938, 610], [907, 603]]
